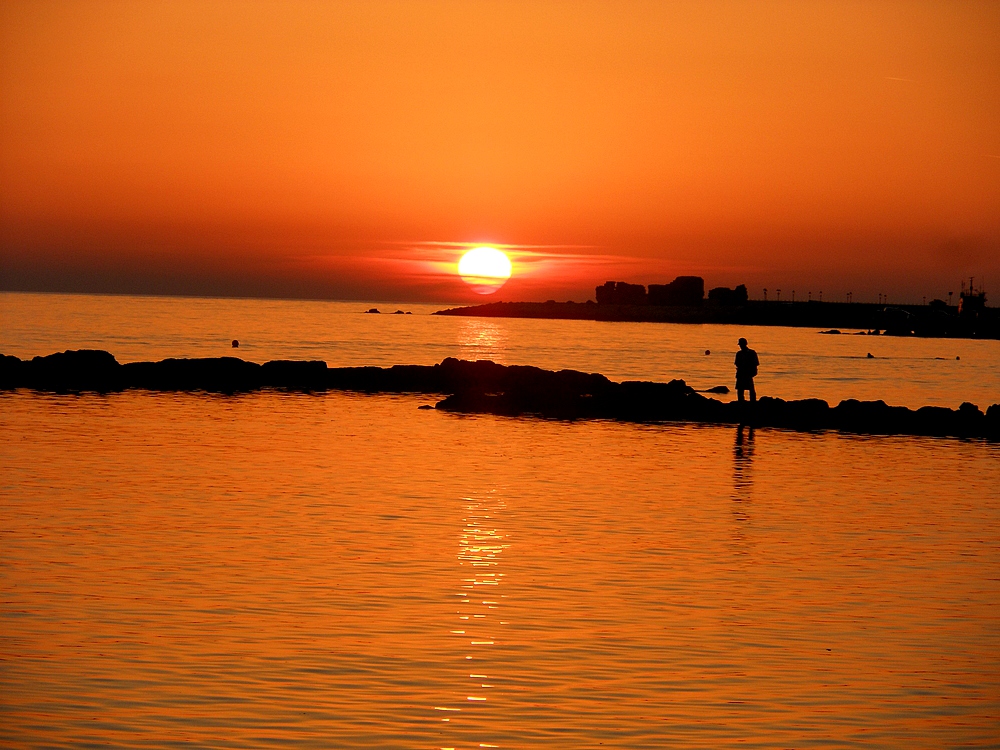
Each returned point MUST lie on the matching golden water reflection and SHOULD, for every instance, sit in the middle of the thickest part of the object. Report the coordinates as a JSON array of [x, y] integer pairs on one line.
[[479, 626], [483, 338]]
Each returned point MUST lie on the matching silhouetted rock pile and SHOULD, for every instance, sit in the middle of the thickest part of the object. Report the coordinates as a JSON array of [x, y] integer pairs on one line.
[[94, 370], [489, 388]]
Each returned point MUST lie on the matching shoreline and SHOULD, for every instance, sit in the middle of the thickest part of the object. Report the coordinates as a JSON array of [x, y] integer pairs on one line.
[[887, 320], [484, 387]]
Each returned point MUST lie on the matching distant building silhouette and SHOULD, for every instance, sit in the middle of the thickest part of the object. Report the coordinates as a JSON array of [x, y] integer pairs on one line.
[[620, 293], [684, 290], [727, 297]]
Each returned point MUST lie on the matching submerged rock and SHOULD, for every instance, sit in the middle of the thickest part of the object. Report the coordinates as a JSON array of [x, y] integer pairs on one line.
[[486, 387]]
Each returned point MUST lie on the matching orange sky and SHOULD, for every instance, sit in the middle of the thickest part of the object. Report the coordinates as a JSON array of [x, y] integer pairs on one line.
[[351, 149]]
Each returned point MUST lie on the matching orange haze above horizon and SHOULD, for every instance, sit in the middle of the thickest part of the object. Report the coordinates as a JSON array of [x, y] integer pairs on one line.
[[355, 150]]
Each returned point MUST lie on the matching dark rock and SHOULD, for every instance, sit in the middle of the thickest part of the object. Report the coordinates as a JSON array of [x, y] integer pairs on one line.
[[75, 370], [873, 417], [214, 374], [939, 420], [991, 424], [718, 389], [294, 375], [372, 311], [13, 372], [486, 387], [832, 332], [806, 414]]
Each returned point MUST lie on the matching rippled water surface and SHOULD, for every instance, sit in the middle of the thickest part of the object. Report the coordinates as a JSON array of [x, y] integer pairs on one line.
[[351, 571], [339, 571]]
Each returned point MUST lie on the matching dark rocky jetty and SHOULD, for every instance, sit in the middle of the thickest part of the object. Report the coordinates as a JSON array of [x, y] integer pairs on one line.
[[489, 388]]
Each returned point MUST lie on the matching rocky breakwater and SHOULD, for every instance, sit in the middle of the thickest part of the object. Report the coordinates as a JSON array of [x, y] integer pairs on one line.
[[489, 388]]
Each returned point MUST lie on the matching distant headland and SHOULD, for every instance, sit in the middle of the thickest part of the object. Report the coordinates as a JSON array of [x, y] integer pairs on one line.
[[486, 387], [683, 300]]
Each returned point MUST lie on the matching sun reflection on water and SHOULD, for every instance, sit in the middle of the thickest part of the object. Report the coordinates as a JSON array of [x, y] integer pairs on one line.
[[480, 625], [483, 338]]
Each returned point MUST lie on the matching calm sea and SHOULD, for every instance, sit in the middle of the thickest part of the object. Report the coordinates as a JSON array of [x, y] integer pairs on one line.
[[339, 570]]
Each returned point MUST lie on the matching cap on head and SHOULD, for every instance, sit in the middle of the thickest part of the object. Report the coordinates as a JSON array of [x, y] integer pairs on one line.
[[742, 342]]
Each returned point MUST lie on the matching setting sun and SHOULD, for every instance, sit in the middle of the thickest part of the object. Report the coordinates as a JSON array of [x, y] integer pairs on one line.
[[485, 269]]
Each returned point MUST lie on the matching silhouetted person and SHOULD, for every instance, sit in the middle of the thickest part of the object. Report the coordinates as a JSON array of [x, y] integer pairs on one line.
[[746, 369]]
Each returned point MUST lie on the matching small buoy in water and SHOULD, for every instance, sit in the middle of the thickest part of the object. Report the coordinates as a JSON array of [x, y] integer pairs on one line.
[[871, 356], [236, 344], [957, 357], [707, 352]]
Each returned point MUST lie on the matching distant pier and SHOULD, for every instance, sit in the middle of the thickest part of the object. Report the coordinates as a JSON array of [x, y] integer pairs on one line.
[[620, 302]]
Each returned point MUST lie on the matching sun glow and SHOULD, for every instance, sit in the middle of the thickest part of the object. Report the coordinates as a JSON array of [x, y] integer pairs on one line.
[[485, 269]]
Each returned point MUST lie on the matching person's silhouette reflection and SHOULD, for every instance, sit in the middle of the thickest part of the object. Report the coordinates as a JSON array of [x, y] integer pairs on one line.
[[743, 464], [744, 544]]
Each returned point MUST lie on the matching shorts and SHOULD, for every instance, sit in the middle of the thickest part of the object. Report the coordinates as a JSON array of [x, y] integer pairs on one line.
[[744, 383]]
